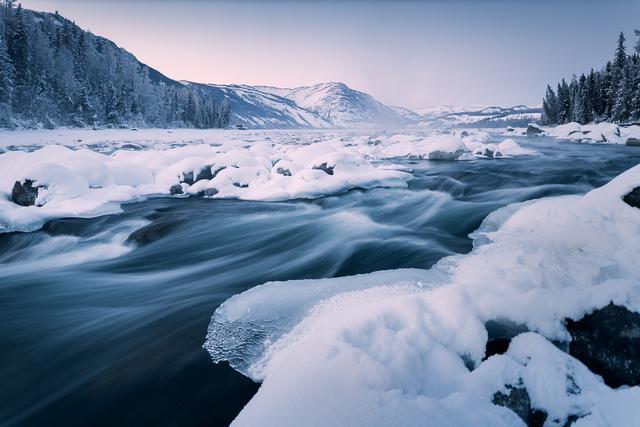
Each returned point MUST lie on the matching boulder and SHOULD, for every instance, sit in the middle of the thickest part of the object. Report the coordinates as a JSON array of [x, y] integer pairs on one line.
[[24, 193], [632, 142], [325, 168], [633, 198], [607, 341], [464, 134], [176, 189], [205, 173], [152, 232], [210, 192], [518, 401], [187, 178], [283, 171], [533, 130]]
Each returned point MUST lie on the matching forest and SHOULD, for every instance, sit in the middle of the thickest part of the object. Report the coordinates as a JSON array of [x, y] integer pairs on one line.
[[53, 73], [610, 94]]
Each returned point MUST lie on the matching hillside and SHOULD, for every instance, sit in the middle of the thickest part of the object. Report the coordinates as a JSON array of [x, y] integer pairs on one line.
[[53, 73]]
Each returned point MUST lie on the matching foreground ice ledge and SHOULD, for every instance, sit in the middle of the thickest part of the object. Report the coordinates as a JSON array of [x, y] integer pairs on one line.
[[406, 347]]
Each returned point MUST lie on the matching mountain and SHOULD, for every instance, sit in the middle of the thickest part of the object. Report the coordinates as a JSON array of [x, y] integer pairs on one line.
[[345, 107], [408, 114], [261, 107], [325, 105], [53, 73], [479, 116]]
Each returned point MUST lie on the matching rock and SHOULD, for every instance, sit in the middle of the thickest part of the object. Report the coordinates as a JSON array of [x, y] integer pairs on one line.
[[510, 129], [518, 401], [240, 185], [205, 173], [326, 169], [499, 335], [632, 142], [444, 155], [152, 232], [25, 194], [633, 198], [283, 171], [607, 341], [533, 130], [464, 134], [176, 189], [187, 178], [210, 192]]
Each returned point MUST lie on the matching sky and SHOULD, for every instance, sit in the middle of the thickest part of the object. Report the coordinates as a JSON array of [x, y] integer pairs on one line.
[[406, 53]]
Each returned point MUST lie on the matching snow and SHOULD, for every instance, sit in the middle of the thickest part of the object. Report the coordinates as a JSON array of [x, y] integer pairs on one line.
[[83, 173], [393, 348], [607, 133]]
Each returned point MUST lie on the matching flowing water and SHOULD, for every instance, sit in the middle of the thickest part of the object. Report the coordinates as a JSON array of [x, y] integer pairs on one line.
[[98, 331]]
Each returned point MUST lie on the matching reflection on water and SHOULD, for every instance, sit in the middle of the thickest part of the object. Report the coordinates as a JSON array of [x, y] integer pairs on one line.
[[100, 329]]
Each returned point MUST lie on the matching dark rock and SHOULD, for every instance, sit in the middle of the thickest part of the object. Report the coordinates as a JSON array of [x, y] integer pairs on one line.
[[607, 341], [25, 194], [152, 232], [499, 334], [510, 129], [187, 177], [464, 134], [496, 346], [283, 171], [632, 142], [205, 173], [176, 189], [240, 185], [518, 401], [633, 198], [210, 192], [533, 130], [326, 169]]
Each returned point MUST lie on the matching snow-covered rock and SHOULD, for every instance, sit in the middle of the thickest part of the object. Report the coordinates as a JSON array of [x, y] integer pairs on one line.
[[603, 133]]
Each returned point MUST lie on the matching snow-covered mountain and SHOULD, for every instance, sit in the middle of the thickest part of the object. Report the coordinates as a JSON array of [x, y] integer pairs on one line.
[[326, 105], [255, 108], [345, 107], [478, 116]]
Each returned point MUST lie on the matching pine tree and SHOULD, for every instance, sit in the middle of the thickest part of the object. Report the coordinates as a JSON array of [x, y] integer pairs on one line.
[[18, 50], [622, 102], [6, 84], [550, 107], [621, 53]]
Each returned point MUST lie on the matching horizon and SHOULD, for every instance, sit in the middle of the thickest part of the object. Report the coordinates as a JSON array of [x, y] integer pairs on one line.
[[409, 54]]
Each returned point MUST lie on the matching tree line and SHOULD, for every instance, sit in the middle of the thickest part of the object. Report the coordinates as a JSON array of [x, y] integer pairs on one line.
[[53, 73], [610, 94]]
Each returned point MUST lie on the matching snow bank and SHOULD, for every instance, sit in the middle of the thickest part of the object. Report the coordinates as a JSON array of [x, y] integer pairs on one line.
[[395, 348], [100, 170], [468, 145], [606, 133], [85, 183]]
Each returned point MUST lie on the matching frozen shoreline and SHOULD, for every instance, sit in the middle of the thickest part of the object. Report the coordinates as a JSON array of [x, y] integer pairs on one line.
[[395, 347]]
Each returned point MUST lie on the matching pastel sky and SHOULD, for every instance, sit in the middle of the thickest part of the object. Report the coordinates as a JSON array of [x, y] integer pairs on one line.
[[408, 53]]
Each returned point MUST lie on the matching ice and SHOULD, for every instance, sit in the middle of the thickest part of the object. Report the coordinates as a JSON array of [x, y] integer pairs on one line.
[[396, 348]]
